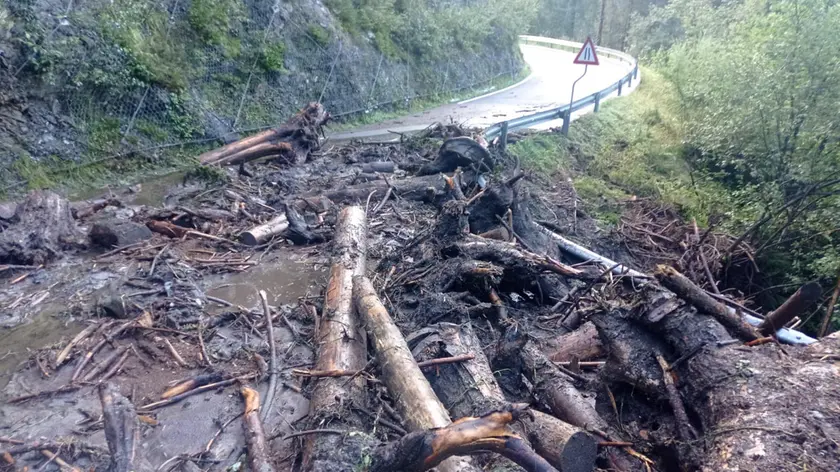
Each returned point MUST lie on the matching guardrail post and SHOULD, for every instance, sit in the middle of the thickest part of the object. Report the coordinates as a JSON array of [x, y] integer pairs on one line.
[[503, 136], [620, 84], [597, 101], [636, 72], [567, 121]]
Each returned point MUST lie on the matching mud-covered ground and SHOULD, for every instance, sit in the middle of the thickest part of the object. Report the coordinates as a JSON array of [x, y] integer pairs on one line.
[[148, 316]]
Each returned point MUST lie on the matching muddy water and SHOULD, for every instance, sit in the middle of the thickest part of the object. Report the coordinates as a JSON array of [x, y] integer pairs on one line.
[[18, 343], [287, 277], [152, 191]]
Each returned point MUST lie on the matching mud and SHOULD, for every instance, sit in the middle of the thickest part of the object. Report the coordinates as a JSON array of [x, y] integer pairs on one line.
[[191, 307]]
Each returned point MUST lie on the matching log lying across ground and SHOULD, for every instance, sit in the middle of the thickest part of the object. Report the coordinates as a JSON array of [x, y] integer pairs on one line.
[[292, 142], [342, 346], [416, 401], [258, 452]]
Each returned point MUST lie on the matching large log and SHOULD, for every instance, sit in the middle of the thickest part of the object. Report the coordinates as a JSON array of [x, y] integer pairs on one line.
[[469, 389], [293, 140], [759, 408], [416, 401], [120, 428], [43, 228], [341, 342]]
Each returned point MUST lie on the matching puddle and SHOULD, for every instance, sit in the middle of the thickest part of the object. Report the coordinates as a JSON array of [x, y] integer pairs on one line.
[[152, 192], [286, 277], [18, 343]]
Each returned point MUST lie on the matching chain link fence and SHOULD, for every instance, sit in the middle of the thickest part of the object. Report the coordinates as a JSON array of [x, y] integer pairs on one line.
[[134, 75]]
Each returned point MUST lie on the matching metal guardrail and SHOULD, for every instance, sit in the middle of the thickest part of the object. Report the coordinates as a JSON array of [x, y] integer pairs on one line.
[[565, 112]]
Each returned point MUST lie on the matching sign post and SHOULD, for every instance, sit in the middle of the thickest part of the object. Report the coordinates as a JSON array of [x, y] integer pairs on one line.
[[588, 57]]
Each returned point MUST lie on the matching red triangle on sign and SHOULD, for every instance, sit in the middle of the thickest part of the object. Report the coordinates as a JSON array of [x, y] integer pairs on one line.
[[587, 54]]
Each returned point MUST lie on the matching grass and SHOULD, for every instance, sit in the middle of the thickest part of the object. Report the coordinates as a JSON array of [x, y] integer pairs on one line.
[[632, 148]]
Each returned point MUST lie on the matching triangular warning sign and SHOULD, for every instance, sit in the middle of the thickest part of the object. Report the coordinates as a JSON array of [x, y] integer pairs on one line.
[[587, 54]]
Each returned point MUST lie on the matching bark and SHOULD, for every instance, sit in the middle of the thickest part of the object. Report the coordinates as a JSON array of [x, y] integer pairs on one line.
[[298, 231], [116, 233], [687, 290], [341, 344], [416, 401], [293, 141], [556, 389], [258, 452], [43, 228], [264, 232], [120, 428], [459, 152], [423, 450], [583, 343], [469, 388], [797, 304]]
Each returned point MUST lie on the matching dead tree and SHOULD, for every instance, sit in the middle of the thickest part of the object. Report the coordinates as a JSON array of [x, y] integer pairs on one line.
[[291, 143], [341, 343]]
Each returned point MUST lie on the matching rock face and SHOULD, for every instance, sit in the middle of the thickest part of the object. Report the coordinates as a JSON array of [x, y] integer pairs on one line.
[[117, 233], [42, 228]]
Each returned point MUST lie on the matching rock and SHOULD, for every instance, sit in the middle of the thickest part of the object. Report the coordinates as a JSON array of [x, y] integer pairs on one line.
[[43, 229], [112, 305], [118, 233], [7, 210]]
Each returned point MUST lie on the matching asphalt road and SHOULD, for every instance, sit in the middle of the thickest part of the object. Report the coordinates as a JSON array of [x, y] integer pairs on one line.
[[548, 86]]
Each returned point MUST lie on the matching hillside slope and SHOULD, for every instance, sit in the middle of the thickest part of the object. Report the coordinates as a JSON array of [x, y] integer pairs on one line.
[[82, 81]]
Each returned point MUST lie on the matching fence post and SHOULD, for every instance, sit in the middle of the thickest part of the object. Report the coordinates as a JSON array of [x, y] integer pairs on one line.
[[503, 136], [597, 101], [567, 121]]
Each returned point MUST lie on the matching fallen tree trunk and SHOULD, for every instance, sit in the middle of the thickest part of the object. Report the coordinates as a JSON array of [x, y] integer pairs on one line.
[[120, 421], [43, 228], [383, 167], [342, 345], [415, 399], [258, 452], [759, 409], [459, 152], [293, 141], [469, 387], [423, 450]]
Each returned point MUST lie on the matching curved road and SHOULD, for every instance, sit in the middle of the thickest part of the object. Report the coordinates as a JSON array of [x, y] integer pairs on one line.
[[548, 86]]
